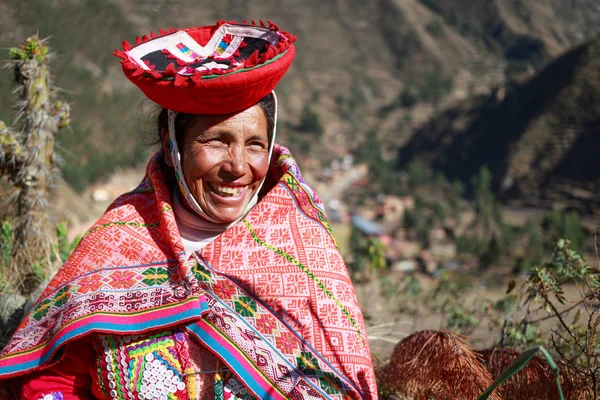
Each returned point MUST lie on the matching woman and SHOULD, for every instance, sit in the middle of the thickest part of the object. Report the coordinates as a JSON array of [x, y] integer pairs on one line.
[[218, 276]]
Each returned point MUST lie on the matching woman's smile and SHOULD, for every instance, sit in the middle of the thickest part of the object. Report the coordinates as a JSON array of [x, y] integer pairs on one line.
[[233, 193], [226, 191]]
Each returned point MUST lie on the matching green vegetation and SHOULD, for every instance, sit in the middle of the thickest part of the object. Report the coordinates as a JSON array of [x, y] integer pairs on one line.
[[60, 252], [431, 88], [419, 173], [435, 86], [534, 252], [367, 254], [310, 120], [64, 246], [435, 28], [6, 246], [485, 201], [103, 134], [573, 230], [381, 171]]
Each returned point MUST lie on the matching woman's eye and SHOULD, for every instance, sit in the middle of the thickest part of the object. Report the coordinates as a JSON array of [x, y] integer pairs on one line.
[[260, 145], [215, 140]]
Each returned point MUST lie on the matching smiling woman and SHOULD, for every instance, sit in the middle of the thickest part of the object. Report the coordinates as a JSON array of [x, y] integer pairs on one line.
[[216, 278], [224, 158]]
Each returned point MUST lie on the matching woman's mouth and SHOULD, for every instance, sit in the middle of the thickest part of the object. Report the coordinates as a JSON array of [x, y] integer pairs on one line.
[[226, 191]]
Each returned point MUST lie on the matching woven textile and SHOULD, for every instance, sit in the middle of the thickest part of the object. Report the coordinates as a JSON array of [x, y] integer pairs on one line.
[[164, 365], [270, 297]]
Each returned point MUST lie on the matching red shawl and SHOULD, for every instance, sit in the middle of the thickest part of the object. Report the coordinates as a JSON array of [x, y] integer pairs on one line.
[[277, 274]]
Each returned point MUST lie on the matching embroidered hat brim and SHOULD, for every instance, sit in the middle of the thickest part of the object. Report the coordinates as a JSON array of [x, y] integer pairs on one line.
[[216, 69]]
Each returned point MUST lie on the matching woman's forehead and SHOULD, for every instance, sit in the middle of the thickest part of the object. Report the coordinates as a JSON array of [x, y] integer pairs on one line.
[[250, 121]]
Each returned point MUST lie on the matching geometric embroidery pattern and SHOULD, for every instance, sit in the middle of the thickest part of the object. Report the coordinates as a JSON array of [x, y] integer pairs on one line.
[[136, 367]]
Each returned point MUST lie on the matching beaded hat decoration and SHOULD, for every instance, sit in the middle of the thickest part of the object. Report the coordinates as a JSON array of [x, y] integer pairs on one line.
[[217, 69]]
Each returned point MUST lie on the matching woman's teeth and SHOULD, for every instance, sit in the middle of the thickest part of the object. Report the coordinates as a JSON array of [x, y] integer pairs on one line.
[[225, 190]]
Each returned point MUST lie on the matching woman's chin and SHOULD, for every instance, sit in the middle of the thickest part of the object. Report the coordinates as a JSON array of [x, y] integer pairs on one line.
[[226, 218]]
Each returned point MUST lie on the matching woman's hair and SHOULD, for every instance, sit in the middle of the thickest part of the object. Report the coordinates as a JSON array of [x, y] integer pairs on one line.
[[184, 121]]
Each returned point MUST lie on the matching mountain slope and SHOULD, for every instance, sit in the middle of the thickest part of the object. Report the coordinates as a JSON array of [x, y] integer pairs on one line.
[[521, 30], [541, 141]]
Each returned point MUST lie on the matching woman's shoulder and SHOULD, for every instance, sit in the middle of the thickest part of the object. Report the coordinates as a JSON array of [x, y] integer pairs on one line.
[[111, 241]]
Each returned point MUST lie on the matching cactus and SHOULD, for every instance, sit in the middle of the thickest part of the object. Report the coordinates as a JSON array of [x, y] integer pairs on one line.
[[28, 161]]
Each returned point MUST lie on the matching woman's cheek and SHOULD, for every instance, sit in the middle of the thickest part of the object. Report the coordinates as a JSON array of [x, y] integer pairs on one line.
[[200, 162], [261, 163]]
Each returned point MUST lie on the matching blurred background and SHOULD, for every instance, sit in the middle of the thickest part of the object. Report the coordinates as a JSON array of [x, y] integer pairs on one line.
[[452, 141]]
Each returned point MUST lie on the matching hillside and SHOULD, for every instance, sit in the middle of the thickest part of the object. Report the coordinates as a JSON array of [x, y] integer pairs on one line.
[[521, 31], [354, 60], [540, 141]]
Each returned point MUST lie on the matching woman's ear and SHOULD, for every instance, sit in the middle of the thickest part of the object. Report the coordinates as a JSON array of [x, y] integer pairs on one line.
[[164, 136]]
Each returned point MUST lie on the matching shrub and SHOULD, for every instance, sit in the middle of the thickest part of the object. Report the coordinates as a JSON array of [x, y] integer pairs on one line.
[[310, 121], [573, 231], [435, 27], [419, 173], [408, 98]]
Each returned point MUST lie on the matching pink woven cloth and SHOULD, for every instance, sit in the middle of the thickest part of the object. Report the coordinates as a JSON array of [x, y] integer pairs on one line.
[[129, 275]]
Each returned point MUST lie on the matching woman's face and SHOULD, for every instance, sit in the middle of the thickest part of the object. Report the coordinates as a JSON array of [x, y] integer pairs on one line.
[[224, 160]]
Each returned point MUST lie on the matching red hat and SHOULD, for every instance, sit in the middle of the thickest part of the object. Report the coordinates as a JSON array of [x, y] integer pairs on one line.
[[215, 69]]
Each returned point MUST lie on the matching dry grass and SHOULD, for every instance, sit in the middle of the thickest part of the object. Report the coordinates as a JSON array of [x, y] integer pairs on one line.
[[536, 381], [432, 364]]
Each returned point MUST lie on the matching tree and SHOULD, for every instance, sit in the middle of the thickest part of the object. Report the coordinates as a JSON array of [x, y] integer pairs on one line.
[[28, 161], [573, 231], [411, 218], [381, 171], [484, 197], [458, 190], [439, 211], [408, 98], [419, 173], [435, 86], [368, 253], [492, 254], [535, 243], [553, 225], [310, 121]]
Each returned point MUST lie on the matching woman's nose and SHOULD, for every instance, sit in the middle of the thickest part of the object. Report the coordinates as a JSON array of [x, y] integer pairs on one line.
[[236, 162]]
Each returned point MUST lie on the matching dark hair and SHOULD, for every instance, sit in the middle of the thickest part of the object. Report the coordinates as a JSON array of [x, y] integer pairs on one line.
[[184, 121]]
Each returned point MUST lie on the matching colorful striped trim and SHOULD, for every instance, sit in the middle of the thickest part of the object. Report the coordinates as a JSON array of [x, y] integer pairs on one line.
[[310, 275], [187, 51], [137, 322], [237, 361], [221, 48]]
